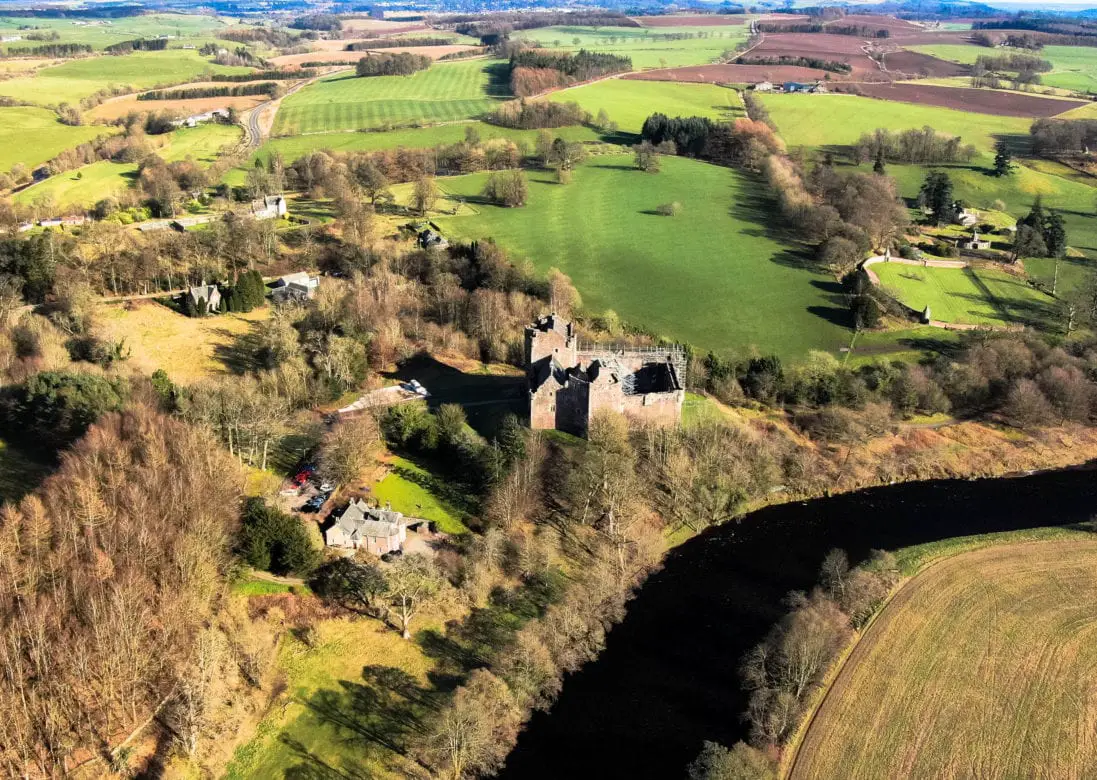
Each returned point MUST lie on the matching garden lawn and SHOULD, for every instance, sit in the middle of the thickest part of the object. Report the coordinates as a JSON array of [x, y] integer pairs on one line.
[[1073, 199], [84, 186], [647, 47], [76, 79], [416, 492], [839, 120], [32, 136], [967, 295], [629, 103], [980, 665], [295, 147], [710, 276], [444, 92]]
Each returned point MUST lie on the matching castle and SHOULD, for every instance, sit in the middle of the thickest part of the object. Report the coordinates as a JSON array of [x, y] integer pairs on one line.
[[569, 384]]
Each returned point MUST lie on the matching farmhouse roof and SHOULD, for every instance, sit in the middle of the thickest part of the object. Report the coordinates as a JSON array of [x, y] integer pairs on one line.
[[361, 521]]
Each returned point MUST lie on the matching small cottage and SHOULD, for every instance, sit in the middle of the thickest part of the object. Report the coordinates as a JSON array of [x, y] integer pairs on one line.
[[763, 86], [209, 293], [362, 527], [294, 288], [269, 207]]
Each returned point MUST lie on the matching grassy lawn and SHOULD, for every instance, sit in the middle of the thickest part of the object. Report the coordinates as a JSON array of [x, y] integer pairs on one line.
[[344, 703], [629, 103], [77, 79], [417, 492], [909, 345], [710, 276], [839, 120], [966, 295], [90, 183], [32, 136], [295, 147], [257, 587], [648, 48], [698, 409], [19, 472], [979, 666], [188, 349], [444, 92]]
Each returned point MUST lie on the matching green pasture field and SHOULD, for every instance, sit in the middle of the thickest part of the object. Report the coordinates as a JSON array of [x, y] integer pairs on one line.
[[648, 47], [445, 92], [295, 147], [182, 26], [629, 103], [32, 136], [710, 276], [1073, 67], [74, 80], [838, 120], [967, 295], [90, 183], [975, 186], [416, 492]]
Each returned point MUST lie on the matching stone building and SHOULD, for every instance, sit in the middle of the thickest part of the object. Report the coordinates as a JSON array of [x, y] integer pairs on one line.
[[568, 383]]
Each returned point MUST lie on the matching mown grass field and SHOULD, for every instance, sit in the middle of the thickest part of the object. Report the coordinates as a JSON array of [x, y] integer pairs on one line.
[[982, 666], [966, 295], [416, 492], [629, 103], [88, 184], [711, 276], [32, 136], [839, 120], [444, 92], [648, 47], [76, 79]]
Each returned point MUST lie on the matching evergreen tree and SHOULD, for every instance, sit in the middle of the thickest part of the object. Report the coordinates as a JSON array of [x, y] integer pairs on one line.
[[1035, 218], [188, 305], [200, 307], [1055, 236], [878, 166], [1003, 160], [936, 195]]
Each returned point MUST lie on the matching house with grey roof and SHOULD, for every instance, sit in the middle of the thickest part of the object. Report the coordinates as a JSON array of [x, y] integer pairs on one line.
[[362, 527], [298, 287], [207, 292], [269, 207]]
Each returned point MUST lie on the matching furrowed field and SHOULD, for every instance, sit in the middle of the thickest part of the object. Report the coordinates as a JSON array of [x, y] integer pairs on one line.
[[629, 103], [982, 666], [33, 135], [445, 92], [710, 276], [72, 81], [648, 48]]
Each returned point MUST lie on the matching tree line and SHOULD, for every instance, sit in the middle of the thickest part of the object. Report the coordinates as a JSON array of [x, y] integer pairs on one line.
[[137, 44], [857, 30], [534, 70], [1054, 136], [803, 62], [49, 50], [385, 64], [269, 88], [266, 75], [396, 43], [527, 115], [925, 146]]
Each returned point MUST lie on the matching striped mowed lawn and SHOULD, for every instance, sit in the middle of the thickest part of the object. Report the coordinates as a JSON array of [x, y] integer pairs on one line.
[[444, 92], [983, 665]]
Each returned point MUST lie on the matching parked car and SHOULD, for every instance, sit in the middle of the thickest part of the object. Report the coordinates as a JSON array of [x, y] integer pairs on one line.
[[391, 555], [326, 487], [315, 503]]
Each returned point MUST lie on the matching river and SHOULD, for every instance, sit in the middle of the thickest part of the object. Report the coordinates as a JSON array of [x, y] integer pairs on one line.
[[668, 680]]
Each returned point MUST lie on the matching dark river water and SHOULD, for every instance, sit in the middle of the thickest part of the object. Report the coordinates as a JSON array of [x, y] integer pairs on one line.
[[667, 679]]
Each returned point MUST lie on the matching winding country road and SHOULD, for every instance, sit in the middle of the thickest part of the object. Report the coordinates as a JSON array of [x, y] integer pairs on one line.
[[257, 124]]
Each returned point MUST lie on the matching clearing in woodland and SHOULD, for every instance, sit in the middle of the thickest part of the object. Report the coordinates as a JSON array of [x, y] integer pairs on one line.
[[983, 665], [712, 276], [445, 92]]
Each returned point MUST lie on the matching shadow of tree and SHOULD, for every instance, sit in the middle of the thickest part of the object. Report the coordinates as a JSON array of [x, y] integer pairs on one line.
[[240, 354], [376, 717], [451, 496]]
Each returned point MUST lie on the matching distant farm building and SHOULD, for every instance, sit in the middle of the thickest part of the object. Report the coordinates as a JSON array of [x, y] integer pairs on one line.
[[975, 242], [568, 384], [763, 86], [361, 526], [432, 238], [217, 115], [294, 288]]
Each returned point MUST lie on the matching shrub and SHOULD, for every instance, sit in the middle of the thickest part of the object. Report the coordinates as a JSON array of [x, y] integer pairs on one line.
[[672, 209], [275, 541]]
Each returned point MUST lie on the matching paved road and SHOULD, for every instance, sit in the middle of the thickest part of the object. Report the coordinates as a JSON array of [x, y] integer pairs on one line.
[[253, 127]]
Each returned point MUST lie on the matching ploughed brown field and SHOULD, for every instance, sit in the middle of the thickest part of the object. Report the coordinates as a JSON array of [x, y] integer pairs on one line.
[[734, 74], [836, 48], [982, 666], [896, 27], [690, 20], [978, 101], [922, 65]]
